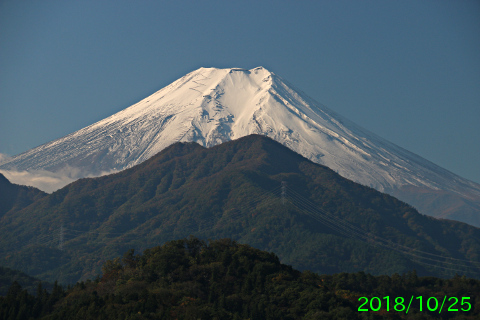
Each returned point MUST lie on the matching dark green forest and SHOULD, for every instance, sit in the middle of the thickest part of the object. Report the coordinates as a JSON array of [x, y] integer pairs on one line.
[[322, 222], [222, 279], [8, 276], [14, 197]]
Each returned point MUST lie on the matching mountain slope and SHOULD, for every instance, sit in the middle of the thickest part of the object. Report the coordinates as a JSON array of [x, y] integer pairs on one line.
[[324, 222], [210, 106], [15, 197]]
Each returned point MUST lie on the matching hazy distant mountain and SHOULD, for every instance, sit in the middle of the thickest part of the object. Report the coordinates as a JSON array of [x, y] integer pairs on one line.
[[315, 220], [210, 106], [4, 158]]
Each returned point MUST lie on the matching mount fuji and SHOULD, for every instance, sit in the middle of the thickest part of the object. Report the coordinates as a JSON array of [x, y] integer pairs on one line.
[[210, 106]]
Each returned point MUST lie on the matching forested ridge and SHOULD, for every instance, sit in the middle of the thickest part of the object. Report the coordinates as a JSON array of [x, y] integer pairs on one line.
[[222, 279], [14, 197], [233, 190]]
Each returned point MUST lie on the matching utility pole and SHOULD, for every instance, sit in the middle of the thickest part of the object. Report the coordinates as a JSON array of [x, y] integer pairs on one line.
[[284, 191]]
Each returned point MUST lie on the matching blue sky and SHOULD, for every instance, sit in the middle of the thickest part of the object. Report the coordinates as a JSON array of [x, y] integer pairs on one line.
[[408, 71]]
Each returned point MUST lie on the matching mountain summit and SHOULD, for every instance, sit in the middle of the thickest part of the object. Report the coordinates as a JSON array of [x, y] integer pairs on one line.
[[210, 106]]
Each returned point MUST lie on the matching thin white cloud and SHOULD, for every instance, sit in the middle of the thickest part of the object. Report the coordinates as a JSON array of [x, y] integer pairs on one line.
[[47, 181]]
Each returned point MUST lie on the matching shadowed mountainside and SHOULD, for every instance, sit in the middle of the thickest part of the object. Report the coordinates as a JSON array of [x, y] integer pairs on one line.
[[14, 197], [322, 222]]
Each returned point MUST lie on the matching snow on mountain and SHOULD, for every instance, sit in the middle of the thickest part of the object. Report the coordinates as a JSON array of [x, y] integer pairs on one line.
[[4, 158], [210, 106]]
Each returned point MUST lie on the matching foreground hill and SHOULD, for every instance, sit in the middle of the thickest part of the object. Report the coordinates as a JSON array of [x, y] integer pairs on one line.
[[8, 276], [210, 106], [317, 220], [190, 279]]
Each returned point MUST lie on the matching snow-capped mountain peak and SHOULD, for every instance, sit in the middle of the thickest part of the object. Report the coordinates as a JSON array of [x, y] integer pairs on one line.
[[210, 106]]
